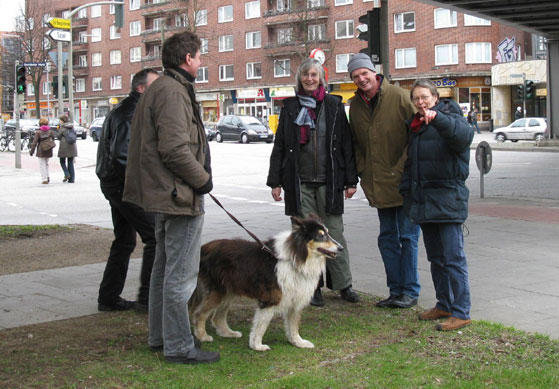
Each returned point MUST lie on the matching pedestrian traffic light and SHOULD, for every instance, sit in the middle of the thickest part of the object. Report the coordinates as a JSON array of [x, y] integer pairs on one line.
[[55, 86], [529, 89], [21, 78], [369, 31], [119, 15], [520, 92]]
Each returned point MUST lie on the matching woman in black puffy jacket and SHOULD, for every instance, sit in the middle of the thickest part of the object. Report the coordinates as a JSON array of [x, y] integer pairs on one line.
[[436, 197]]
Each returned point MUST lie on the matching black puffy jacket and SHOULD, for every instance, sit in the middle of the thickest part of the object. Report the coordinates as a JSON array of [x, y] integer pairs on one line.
[[112, 151], [434, 180], [340, 169]]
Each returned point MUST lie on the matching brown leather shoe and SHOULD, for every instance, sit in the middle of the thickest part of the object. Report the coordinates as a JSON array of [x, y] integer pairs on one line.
[[433, 314], [452, 323]]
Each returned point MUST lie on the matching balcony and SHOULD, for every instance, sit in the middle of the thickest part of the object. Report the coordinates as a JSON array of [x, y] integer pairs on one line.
[[294, 16], [163, 10], [284, 49], [80, 24], [151, 58], [78, 46]]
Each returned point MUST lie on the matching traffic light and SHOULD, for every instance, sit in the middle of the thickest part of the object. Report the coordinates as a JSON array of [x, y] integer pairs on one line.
[[119, 15], [529, 89], [55, 86], [369, 31], [520, 92], [21, 78], [65, 85]]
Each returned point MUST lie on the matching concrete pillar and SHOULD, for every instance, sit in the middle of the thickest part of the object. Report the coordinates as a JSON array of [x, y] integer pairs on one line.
[[553, 87]]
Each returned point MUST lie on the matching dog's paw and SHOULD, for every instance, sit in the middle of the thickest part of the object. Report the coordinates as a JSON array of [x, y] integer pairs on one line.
[[230, 334], [206, 338], [302, 343], [260, 347]]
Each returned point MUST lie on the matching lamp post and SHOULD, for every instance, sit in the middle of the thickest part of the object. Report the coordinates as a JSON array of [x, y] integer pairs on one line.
[[70, 55]]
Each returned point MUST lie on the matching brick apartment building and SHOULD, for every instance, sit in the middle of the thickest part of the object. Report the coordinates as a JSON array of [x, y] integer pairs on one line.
[[251, 49]]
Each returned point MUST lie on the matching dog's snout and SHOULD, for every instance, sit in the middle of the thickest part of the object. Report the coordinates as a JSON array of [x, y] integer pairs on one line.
[[338, 245]]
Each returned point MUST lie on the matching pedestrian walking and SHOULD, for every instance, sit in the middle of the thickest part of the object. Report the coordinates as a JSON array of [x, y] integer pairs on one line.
[[378, 114], [128, 219], [67, 148], [312, 160], [436, 197], [43, 142]]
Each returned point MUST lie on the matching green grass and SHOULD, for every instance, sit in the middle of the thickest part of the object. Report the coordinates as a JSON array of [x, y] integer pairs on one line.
[[356, 346], [26, 231]]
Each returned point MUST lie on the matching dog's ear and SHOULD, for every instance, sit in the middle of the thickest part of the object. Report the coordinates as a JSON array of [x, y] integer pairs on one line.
[[296, 222]]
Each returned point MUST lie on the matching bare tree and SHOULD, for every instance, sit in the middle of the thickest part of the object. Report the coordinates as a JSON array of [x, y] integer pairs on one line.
[[35, 45]]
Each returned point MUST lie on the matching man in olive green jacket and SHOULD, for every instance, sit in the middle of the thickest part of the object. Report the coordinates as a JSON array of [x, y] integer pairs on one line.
[[377, 115], [167, 173]]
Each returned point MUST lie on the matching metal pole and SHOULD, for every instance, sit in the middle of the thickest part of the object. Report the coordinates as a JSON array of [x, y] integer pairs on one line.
[[48, 90], [60, 81], [524, 95], [384, 43], [16, 115], [71, 74]]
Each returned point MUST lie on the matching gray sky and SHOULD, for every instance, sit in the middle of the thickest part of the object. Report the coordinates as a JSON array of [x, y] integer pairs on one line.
[[9, 10]]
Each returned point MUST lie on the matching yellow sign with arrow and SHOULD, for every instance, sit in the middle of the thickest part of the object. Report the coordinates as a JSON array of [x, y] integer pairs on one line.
[[62, 24]]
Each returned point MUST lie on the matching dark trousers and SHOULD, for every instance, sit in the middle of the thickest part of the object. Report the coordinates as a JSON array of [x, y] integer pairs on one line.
[[68, 170], [127, 220]]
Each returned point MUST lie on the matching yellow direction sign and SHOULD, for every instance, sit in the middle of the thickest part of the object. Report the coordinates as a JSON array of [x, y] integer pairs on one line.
[[62, 24]]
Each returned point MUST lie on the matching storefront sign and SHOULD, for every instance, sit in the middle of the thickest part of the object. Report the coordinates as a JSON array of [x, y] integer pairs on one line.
[[207, 96], [281, 92], [444, 82], [250, 93]]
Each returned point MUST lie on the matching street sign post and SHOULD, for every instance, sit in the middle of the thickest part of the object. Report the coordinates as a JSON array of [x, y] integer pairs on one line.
[[35, 64], [62, 24], [59, 35]]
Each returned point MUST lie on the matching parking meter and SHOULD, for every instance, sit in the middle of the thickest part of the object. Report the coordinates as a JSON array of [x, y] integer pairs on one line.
[[484, 158]]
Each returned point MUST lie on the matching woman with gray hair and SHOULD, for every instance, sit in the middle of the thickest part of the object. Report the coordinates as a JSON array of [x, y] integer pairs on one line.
[[312, 161]]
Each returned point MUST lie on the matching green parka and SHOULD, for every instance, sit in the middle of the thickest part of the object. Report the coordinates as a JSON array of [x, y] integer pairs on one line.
[[380, 142]]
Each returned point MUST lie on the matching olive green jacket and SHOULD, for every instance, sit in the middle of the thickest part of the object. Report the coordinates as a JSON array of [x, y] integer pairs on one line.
[[380, 142]]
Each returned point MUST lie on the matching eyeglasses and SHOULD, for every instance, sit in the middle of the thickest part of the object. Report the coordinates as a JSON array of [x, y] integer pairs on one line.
[[422, 98]]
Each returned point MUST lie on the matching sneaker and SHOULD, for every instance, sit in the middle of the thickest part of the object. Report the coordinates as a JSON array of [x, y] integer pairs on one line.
[[403, 301], [158, 349], [433, 314], [386, 302], [349, 295], [66, 178], [45, 182], [120, 305], [453, 323], [317, 300], [194, 356]]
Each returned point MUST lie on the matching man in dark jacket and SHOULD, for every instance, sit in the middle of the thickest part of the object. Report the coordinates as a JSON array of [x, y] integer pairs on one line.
[[112, 156]]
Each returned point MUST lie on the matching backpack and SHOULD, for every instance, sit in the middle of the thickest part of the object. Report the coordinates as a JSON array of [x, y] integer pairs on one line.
[[71, 136]]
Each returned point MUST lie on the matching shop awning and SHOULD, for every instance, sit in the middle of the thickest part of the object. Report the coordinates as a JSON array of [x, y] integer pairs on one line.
[[345, 94]]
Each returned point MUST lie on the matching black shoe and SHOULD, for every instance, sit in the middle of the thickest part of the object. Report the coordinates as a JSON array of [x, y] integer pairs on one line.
[[120, 305], [404, 301], [194, 356], [386, 302], [141, 307], [317, 300], [157, 349], [349, 295]]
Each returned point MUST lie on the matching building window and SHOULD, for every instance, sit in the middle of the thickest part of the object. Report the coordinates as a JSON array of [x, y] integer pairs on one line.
[[82, 36], [96, 34], [82, 13], [96, 59], [341, 62], [202, 74], [252, 9], [96, 11], [404, 22], [135, 54], [115, 57], [82, 61], [343, 2], [201, 17], [135, 28], [116, 82], [226, 73], [478, 52], [446, 55], [134, 4], [344, 29], [157, 23], [316, 32], [30, 89], [65, 15], [284, 5], [225, 43], [225, 14], [405, 58], [253, 40], [470, 20], [80, 84], [180, 20], [254, 70], [203, 46], [284, 35], [96, 83], [111, 9], [282, 68], [315, 3], [46, 88], [114, 32], [445, 18]]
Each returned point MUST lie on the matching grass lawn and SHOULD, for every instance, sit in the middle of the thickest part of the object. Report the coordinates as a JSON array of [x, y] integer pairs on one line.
[[356, 346]]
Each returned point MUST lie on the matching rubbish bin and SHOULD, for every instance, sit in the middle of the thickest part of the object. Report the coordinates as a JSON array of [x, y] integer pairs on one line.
[[491, 128]]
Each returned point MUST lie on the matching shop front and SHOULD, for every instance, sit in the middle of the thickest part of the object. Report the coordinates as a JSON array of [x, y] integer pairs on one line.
[[253, 102], [277, 95], [210, 106]]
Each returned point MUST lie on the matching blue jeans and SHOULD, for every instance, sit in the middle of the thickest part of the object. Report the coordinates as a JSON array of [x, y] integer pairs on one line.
[[173, 280], [444, 243], [397, 243], [68, 171]]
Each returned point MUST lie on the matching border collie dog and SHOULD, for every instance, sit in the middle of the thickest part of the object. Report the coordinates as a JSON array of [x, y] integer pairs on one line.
[[281, 283]]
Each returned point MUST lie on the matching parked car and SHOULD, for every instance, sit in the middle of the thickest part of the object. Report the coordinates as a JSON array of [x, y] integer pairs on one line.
[[210, 131], [95, 128], [243, 129], [523, 129], [25, 125], [54, 124]]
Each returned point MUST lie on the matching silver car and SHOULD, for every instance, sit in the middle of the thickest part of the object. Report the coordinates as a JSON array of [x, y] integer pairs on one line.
[[523, 129]]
